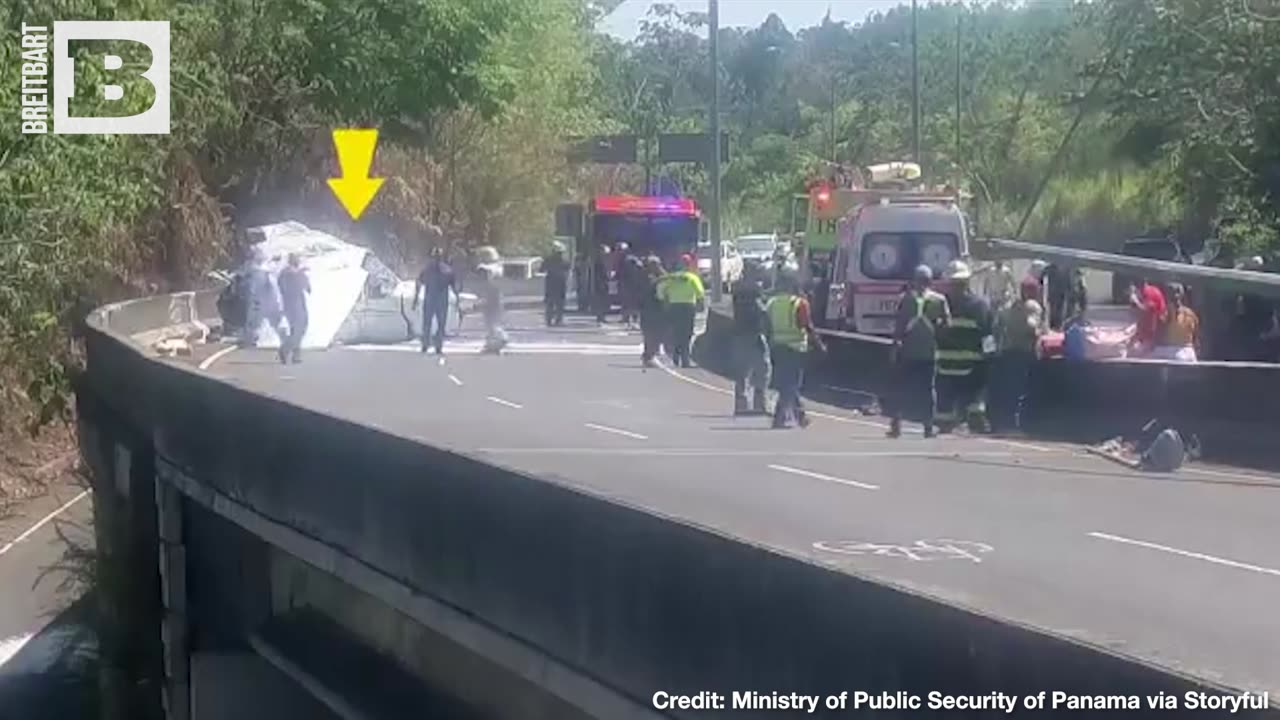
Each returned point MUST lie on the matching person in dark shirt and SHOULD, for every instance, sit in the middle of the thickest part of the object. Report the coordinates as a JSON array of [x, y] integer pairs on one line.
[[652, 313], [602, 274], [294, 288], [556, 268], [750, 348], [1057, 292], [435, 283], [631, 282]]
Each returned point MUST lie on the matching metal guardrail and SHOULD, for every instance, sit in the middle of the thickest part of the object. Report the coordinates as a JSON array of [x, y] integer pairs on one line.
[[1245, 282]]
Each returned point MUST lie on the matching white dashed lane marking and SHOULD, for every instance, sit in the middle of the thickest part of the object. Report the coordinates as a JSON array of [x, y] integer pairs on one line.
[[825, 478]]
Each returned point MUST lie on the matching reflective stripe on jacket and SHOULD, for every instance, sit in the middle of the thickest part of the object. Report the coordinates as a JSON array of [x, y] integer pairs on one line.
[[786, 331], [960, 342]]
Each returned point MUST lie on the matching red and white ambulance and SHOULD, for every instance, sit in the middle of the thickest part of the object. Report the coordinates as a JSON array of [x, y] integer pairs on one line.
[[886, 234]]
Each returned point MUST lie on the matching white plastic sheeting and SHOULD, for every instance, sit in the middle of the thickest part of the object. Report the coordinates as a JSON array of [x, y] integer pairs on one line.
[[354, 296], [337, 274]]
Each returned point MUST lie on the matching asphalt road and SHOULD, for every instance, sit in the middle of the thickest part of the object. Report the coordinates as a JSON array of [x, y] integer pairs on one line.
[[1180, 570], [47, 646]]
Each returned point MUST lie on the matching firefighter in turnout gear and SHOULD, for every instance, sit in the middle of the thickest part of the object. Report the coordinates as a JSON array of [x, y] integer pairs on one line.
[[964, 346]]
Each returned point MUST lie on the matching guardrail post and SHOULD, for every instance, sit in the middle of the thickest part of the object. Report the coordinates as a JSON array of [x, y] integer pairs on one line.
[[173, 593]]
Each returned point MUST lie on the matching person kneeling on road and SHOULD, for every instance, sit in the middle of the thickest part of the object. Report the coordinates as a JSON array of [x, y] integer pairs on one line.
[[921, 314], [790, 333], [750, 348]]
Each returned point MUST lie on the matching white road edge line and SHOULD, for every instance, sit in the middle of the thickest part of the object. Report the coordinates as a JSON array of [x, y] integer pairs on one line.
[[736, 453], [849, 420], [9, 647], [454, 379], [820, 476], [616, 431], [209, 361], [507, 403], [1186, 553], [43, 521]]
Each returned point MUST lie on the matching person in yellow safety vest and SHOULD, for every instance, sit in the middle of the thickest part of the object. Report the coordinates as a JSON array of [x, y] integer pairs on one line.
[[682, 293], [921, 315], [791, 332], [964, 346]]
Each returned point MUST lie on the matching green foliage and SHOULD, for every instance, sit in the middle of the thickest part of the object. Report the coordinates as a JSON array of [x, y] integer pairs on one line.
[[1185, 128], [255, 85]]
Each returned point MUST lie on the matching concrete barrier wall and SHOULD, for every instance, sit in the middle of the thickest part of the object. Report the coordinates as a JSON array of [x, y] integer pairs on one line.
[[639, 602], [1223, 403]]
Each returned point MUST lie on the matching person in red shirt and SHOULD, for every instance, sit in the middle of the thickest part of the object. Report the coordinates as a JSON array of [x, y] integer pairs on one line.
[[1149, 303]]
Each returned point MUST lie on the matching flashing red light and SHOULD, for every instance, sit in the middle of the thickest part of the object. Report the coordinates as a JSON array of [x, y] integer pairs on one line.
[[644, 205]]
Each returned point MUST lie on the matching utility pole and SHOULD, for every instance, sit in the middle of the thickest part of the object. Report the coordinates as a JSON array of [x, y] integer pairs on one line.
[[959, 15], [714, 12], [833, 114], [915, 82]]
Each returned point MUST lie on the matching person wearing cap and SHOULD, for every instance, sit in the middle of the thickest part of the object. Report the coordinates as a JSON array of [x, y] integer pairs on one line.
[[964, 345], [1021, 327], [790, 332], [921, 314], [682, 293], [555, 285]]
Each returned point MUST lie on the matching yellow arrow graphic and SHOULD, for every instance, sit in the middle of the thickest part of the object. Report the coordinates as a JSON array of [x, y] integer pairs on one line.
[[355, 189]]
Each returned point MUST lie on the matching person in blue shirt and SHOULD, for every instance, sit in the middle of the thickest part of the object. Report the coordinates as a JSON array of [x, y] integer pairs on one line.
[[435, 284], [295, 286]]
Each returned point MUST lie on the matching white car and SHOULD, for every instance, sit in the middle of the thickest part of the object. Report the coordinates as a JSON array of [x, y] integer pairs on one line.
[[758, 249], [731, 265]]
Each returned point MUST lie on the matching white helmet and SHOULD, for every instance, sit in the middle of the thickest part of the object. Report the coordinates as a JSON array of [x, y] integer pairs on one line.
[[1038, 267], [958, 270]]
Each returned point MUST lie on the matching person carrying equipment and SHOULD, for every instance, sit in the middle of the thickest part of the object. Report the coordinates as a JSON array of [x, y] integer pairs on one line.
[[964, 345], [683, 294], [922, 313], [750, 349], [790, 332], [556, 284]]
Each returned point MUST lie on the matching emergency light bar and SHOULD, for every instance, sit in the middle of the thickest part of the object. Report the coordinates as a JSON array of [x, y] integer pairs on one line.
[[644, 205]]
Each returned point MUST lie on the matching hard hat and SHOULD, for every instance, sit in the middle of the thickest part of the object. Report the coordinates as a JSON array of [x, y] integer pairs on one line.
[[923, 273], [958, 270], [622, 247], [557, 246], [487, 254], [1038, 267]]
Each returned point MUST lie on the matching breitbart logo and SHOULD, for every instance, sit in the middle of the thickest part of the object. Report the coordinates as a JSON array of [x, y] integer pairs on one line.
[[115, 81]]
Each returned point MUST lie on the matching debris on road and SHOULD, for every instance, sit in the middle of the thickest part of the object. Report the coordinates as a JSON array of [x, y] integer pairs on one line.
[[1157, 449], [173, 347]]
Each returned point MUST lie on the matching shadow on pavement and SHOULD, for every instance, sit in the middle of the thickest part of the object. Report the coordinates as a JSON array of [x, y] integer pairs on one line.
[[54, 675]]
